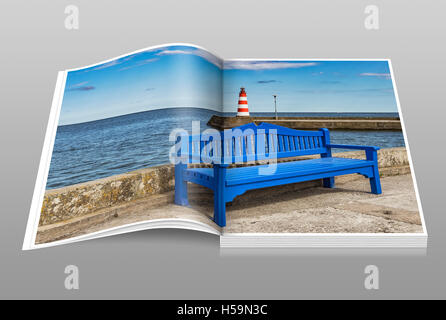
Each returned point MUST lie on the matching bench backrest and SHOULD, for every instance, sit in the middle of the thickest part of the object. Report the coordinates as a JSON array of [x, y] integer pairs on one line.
[[258, 142]]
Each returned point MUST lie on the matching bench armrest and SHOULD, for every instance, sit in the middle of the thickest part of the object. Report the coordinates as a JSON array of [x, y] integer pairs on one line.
[[346, 146], [370, 151]]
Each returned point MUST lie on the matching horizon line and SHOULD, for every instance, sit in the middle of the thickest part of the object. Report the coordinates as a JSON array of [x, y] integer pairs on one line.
[[131, 113]]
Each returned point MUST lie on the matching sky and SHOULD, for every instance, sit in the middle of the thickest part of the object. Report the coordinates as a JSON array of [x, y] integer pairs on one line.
[[186, 76], [310, 86], [173, 76]]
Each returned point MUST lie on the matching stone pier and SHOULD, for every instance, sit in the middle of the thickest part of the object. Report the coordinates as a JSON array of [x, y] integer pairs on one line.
[[311, 123]]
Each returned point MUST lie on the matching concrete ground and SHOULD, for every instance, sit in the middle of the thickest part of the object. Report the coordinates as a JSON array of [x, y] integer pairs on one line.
[[348, 208]]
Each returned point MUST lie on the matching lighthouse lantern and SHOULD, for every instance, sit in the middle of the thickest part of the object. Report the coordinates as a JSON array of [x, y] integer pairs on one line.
[[242, 110]]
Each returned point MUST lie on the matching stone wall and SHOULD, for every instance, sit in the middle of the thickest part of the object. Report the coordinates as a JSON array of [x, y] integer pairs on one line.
[[86, 198]]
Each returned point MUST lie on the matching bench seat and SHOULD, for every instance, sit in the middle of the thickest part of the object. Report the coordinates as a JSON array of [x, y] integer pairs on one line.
[[250, 174], [270, 142]]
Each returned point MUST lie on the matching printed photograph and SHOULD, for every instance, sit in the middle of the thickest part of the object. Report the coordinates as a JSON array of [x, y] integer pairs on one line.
[[356, 102], [174, 133]]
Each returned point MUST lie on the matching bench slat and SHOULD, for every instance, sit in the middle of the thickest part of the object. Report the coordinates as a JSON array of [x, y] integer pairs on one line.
[[295, 168]]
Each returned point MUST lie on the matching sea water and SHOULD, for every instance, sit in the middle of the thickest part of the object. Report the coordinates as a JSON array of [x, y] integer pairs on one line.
[[97, 149]]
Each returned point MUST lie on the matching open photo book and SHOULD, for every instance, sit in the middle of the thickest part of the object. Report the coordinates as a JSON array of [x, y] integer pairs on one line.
[[259, 152]]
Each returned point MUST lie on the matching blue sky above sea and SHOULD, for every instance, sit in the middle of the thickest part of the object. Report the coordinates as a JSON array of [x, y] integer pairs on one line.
[[187, 76]]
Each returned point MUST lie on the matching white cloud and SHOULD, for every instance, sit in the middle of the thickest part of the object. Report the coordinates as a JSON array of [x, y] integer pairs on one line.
[[107, 65], [138, 64], [197, 52], [372, 74], [267, 65], [80, 84]]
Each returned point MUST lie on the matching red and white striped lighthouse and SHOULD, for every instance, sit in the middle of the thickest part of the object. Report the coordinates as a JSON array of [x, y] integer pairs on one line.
[[242, 110]]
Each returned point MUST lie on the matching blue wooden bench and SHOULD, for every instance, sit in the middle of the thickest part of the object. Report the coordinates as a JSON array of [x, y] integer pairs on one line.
[[229, 182]]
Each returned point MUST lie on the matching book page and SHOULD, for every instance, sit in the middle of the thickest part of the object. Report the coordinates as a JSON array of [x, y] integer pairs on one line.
[[106, 162], [356, 100]]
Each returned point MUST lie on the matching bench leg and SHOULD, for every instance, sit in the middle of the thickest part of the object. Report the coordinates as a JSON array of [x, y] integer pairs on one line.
[[375, 183], [219, 209], [180, 185], [219, 194], [329, 182]]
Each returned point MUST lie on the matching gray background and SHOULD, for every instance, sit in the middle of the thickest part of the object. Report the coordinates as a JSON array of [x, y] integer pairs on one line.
[[180, 264]]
